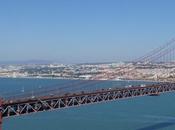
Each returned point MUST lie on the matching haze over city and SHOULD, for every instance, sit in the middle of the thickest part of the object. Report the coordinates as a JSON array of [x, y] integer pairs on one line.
[[77, 31]]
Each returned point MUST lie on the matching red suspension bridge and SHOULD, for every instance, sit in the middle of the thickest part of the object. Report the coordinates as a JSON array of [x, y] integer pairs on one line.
[[59, 98]]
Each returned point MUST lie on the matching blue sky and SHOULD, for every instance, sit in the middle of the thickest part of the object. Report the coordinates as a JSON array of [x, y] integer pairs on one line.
[[73, 31]]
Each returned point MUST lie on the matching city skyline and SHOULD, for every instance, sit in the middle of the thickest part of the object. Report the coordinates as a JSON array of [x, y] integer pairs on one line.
[[83, 32]]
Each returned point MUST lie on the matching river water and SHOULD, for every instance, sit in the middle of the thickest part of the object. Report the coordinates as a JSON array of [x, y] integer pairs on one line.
[[142, 113]]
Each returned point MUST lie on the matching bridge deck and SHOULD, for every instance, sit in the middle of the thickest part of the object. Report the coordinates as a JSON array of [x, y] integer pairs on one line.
[[44, 103]]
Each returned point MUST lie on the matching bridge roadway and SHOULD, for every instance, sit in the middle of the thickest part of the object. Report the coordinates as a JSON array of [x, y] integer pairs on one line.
[[19, 107]]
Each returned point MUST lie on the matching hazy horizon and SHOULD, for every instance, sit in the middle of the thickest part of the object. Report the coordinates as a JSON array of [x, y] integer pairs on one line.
[[53, 62]]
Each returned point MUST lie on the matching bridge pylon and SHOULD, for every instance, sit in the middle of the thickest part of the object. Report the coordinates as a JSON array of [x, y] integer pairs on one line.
[[1, 101]]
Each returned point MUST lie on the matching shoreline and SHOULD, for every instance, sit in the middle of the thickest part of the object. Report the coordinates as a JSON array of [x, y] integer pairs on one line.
[[50, 78]]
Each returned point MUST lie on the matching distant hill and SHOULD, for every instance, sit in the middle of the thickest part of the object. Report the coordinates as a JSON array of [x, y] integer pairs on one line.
[[27, 62]]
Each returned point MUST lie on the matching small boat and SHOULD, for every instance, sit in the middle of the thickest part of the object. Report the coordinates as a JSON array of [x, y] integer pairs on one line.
[[154, 94]]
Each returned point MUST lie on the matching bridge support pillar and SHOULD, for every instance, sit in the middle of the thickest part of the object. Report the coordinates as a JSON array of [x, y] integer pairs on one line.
[[0, 121], [1, 114]]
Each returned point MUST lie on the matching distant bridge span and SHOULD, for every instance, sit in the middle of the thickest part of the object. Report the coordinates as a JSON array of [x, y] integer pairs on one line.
[[44, 103], [19, 107]]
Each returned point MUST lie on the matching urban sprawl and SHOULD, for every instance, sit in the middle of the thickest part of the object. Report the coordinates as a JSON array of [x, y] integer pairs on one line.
[[104, 71]]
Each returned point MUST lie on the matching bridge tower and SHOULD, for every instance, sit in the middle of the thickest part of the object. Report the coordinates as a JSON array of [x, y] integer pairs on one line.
[[1, 101]]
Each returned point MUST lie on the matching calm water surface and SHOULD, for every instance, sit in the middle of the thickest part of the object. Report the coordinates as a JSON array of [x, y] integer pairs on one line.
[[143, 113]]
